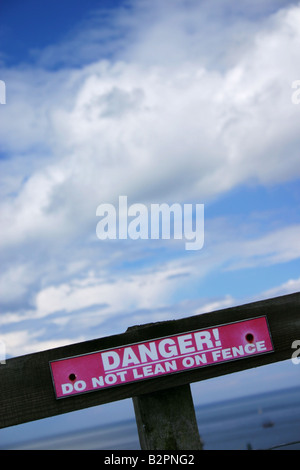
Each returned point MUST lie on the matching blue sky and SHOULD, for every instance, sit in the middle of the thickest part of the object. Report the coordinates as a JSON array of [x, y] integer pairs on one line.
[[162, 101]]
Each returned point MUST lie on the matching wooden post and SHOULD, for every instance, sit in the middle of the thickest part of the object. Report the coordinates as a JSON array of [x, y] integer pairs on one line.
[[166, 420]]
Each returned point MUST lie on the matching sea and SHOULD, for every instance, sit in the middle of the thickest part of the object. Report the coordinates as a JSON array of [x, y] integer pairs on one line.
[[257, 422]]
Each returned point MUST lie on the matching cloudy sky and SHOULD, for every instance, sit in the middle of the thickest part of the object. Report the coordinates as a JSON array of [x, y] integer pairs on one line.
[[173, 101]]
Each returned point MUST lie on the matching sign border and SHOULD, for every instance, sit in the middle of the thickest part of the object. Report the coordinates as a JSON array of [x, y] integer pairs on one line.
[[169, 373]]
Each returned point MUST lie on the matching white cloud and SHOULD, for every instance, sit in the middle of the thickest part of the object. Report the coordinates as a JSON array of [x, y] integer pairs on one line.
[[289, 287], [143, 290], [20, 342], [177, 113], [227, 301], [152, 131], [110, 293], [14, 282], [278, 246]]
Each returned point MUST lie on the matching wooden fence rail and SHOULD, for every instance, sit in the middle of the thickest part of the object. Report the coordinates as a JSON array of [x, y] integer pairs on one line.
[[27, 390]]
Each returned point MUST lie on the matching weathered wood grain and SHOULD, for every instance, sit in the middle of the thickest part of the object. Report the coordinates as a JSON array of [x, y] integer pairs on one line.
[[166, 420]]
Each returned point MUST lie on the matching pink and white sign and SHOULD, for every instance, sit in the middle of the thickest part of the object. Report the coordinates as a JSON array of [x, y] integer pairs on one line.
[[160, 356]]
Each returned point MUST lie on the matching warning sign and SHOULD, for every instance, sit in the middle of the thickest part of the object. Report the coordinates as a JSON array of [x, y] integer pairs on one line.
[[160, 356]]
